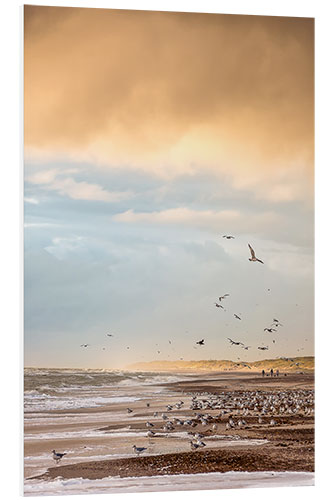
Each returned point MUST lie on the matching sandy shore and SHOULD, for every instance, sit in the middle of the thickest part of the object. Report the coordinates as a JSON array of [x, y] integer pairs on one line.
[[288, 446]]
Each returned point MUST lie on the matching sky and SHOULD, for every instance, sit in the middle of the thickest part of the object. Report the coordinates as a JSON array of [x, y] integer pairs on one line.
[[147, 137]]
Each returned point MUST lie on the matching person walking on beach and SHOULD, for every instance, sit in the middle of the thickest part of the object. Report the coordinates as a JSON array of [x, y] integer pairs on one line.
[[277, 373], [271, 372], [263, 373]]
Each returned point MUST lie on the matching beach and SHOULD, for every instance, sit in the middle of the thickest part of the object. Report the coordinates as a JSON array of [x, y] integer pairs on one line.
[[85, 415]]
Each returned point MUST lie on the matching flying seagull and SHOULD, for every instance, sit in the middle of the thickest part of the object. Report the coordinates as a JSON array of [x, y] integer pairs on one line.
[[270, 330], [109, 335], [263, 348], [246, 347], [57, 456], [276, 322], [228, 236], [237, 317], [84, 345], [234, 343], [218, 305], [253, 255], [223, 296], [201, 342]]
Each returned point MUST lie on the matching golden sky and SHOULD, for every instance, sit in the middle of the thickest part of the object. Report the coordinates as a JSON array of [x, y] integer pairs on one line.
[[148, 85], [148, 135]]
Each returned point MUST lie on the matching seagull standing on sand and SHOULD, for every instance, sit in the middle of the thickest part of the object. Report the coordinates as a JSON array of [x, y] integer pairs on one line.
[[138, 449], [57, 456], [194, 446], [253, 255]]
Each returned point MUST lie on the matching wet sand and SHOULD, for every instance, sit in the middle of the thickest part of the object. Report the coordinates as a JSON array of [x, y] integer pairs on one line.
[[287, 446]]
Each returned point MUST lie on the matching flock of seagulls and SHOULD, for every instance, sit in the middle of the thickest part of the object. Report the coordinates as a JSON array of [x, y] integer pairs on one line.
[[273, 328], [213, 414]]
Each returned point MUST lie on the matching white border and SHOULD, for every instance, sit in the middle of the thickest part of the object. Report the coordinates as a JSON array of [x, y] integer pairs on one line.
[[11, 224]]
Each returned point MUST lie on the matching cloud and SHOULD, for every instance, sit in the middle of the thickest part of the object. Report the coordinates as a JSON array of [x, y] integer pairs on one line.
[[62, 247], [77, 190], [177, 91], [209, 220], [33, 201]]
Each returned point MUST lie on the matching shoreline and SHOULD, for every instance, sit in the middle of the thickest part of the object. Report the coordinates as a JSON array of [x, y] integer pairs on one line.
[[265, 457], [286, 447]]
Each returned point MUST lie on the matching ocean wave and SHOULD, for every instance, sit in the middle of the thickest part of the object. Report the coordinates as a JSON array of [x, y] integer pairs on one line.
[[44, 402], [181, 482]]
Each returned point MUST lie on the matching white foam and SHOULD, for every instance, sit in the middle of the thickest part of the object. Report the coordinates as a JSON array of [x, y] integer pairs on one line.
[[64, 435], [44, 402], [211, 481]]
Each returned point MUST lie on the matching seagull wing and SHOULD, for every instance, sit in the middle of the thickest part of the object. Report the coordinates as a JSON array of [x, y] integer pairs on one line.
[[252, 251]]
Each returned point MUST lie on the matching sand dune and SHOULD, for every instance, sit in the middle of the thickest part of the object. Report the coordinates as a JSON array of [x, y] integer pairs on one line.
[[305, 363]]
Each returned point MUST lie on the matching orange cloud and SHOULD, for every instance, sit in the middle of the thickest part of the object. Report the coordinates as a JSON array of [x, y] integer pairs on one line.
[[170, 91]]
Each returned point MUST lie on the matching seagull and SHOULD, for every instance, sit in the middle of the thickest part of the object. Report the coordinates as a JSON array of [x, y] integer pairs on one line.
[[246, 347], [109, 335], [228, 236], [263, 348], [253, 255], [276, 322], [194, 446], [218, 305], [129, 410], [270, 330], [223, 296], [201, 342], [84, 345], [237, 317], [234, 343], [57, 456], [138, 450]]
